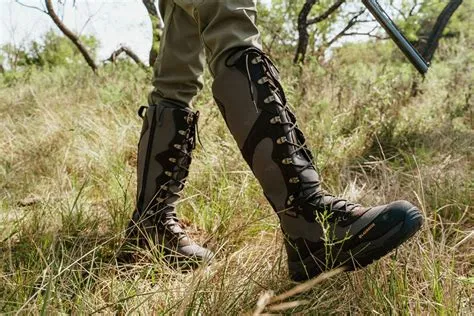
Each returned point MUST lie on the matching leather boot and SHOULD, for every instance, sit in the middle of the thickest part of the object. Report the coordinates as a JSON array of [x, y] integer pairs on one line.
[[321, 231], [164, 155]]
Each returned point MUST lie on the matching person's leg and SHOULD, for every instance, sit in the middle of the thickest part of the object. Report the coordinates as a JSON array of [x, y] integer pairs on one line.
[[252, 101], [177, 73], [224, 25], [167, 140]]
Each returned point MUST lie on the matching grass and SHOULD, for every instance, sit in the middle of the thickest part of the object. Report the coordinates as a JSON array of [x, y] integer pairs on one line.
[[67, 184]]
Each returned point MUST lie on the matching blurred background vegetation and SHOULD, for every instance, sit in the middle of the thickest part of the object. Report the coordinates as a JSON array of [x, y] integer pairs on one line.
[[380, 132]]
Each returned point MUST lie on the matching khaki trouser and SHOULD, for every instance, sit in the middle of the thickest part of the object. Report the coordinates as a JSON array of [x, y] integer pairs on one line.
[[197, 31]]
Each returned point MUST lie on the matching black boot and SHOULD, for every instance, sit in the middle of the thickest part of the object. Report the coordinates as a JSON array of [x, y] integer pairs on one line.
[[321, 231], [164, 155]]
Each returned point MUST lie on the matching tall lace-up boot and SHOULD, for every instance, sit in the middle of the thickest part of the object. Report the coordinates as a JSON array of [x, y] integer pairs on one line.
[[321, 231], [164, 155]]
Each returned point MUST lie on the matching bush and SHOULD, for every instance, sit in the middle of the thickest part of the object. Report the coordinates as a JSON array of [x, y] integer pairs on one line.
[[50, 51]]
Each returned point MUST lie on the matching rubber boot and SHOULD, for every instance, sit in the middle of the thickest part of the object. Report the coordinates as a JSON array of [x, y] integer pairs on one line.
[[321, 231], [164, 155]]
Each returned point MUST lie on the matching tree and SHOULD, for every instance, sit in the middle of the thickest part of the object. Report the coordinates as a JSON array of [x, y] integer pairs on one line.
[[74, 38], [71, 35], [127, 51], [50, 51], [327, 25], [409, 15], [156, 29], [429, 46], [2, 69], [304, 22], [77, 41]]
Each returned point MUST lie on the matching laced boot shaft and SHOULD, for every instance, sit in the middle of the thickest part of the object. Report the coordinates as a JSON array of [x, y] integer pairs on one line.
[[174, 163], [291, 153], [321, 231], [265, 129], [165, 148]]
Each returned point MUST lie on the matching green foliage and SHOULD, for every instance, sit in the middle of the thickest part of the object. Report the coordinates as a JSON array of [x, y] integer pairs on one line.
[[51, 50], [278, 24], [417, 19], [68, 175]]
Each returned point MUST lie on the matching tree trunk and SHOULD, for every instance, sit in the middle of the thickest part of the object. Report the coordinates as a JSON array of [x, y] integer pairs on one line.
[[303, 35], [303, 23], [437, 32], [156, 29], [69, 34]]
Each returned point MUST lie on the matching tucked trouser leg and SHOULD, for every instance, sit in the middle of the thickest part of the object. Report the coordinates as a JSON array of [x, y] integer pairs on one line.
[[321, 231], [180, 63], [223, 26]]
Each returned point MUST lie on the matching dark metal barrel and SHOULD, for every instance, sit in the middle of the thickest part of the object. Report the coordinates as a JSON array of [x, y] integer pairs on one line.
[[397, 36]]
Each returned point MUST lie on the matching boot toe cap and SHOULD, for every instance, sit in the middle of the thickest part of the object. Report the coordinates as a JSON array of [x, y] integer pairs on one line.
[[404, 211], [196, 253]]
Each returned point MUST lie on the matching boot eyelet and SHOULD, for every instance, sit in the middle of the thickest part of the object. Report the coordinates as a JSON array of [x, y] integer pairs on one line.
[[269, 99], [189, 118], [294, 180], [287, 161], [181, 132], [290, 200], [164, 187], [173, 160], [169, 173], [281, 140], [275, 120], [262, 80], [256, 60], [177, 146]]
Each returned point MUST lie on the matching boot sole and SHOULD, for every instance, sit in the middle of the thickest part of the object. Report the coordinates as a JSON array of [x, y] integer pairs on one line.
[[314, 265]]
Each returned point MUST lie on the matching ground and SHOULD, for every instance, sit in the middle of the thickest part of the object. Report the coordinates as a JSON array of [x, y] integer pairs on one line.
[[67, 188]]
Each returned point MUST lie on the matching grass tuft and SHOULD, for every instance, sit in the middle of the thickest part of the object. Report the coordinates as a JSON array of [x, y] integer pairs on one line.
[[67, 189]]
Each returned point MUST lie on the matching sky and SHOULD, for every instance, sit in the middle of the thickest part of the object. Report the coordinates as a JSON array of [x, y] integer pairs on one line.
[[113, 22]]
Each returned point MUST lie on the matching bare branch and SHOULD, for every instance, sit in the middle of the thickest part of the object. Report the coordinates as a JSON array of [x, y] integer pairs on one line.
[[327, 13], [368, 34], [124, 49], [412, 10], [156, 29], [438, 29], [31, 6], [69, 34], [353, 21], [303, 23], [89, 18], [400, 12], [303, 35]]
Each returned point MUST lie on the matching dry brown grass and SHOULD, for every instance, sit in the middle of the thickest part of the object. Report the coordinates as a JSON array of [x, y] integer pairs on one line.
[[67, 153]]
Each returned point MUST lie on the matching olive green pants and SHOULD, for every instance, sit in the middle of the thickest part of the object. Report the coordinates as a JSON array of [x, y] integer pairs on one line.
[[196, 32]]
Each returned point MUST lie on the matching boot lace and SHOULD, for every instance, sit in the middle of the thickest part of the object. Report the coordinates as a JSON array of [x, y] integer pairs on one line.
[[308, 192], [179, 161]]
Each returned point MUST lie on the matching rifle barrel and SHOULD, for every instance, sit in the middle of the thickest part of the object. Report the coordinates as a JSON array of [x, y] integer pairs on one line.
[[397, 36]]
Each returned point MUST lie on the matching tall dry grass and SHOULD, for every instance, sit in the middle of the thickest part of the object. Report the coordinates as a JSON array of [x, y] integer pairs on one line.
[[67, 180]]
